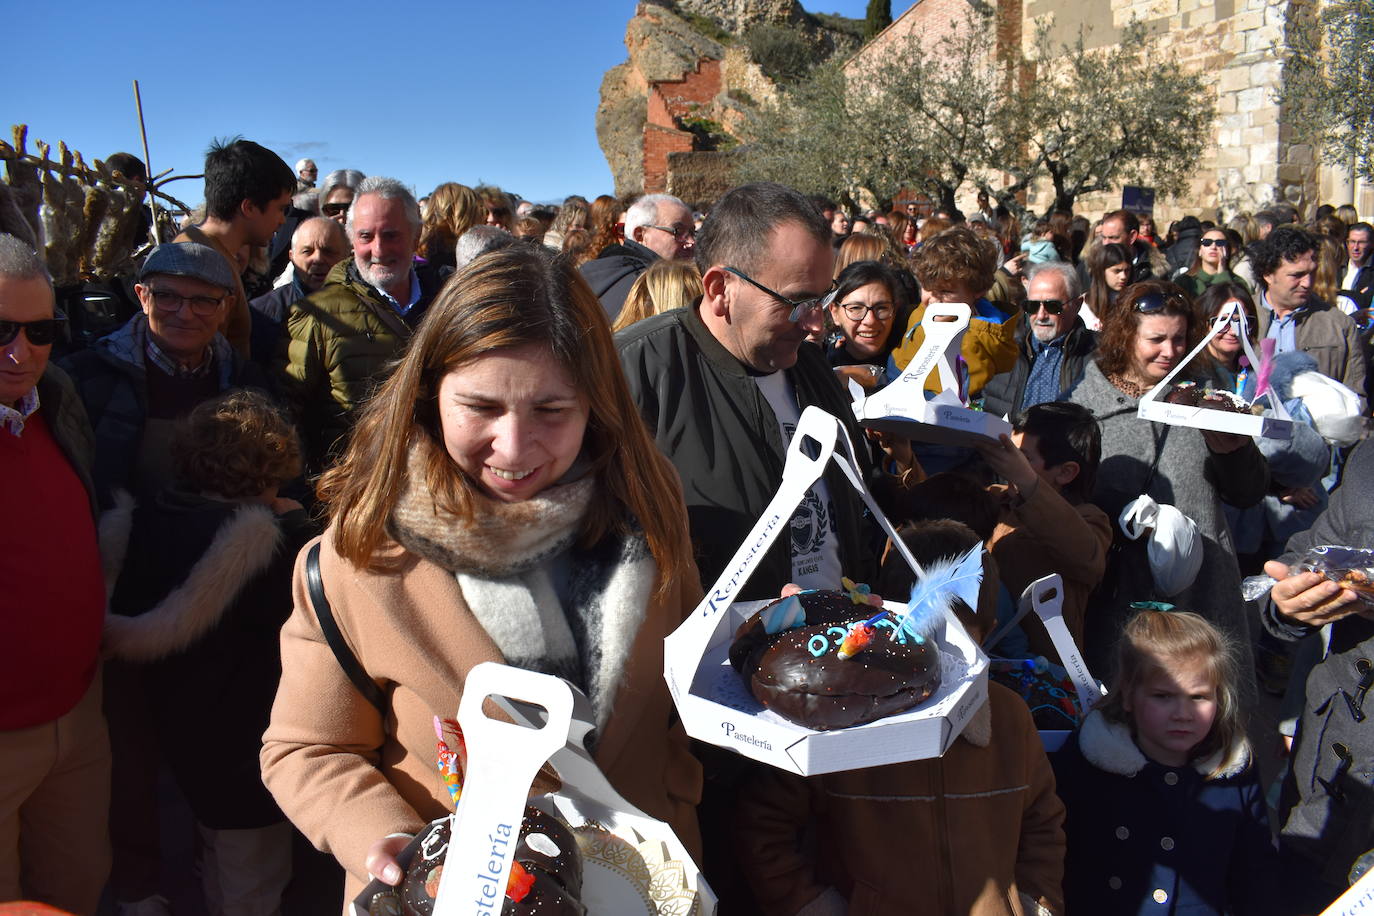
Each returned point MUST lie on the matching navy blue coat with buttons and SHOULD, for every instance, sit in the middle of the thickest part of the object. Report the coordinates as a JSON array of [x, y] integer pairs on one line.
[[1150, 839]]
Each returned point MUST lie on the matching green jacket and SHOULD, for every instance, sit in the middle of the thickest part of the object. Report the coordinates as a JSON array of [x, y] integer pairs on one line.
[[340, 344]]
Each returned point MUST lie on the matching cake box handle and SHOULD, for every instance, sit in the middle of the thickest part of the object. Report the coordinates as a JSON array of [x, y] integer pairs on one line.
[[503, 760], [1047, 598], [936, 353]]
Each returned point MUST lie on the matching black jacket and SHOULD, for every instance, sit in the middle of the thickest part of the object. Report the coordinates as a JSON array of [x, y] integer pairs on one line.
[[1002, 396], [709, 417], [614, 271]]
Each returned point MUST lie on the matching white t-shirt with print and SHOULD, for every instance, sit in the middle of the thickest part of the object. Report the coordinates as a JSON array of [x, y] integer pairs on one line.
[[814, 537]]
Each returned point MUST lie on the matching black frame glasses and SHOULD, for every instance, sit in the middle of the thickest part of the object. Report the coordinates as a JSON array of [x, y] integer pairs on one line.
[[686, 232], [881, 310], [1051, 306], [800, 307], [171, 302], [42, 332]]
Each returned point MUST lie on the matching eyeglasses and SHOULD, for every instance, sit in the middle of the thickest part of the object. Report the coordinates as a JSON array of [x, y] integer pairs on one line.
[[799, 307], [681, 233], [1150, 303], [41, 333], [168, 301], [1051, 306], [1208, 243], [857, 310], [334, 209]]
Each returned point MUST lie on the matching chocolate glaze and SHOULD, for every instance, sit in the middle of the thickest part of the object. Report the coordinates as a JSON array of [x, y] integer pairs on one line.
[[824, 691], [557, 878]]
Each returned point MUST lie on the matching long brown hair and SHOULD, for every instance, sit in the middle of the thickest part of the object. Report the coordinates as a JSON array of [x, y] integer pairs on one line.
[[1121, 324], [505, 299], [605, 210], [453, 209], [1153, 640]]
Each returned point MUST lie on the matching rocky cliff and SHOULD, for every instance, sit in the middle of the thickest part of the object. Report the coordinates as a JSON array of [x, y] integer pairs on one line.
[[690, 82]]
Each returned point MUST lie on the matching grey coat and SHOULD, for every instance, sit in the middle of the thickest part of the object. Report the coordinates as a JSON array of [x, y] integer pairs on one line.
[[1188, 476]]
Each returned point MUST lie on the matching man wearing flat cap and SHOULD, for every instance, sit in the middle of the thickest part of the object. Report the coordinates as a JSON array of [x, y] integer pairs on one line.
[[138, 381]]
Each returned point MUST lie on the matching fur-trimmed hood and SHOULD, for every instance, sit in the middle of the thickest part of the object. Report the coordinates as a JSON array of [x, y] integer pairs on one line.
[[1109, 746], [243, 547]]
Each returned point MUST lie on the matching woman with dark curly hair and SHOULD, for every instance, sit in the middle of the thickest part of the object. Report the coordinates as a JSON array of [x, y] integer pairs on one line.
[[1152, 326]]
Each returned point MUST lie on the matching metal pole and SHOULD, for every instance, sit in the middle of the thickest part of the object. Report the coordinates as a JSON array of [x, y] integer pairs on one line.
[[147, 164]]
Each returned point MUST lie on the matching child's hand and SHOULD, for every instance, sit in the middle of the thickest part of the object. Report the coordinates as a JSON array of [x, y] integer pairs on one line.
[[381, 859], [1309, 597], [1010, 463]]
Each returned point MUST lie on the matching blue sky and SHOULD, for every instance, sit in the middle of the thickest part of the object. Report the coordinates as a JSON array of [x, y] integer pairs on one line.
[[501, 92]]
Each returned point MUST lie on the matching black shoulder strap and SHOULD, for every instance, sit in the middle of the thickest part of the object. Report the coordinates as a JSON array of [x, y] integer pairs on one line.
[[347, 660]]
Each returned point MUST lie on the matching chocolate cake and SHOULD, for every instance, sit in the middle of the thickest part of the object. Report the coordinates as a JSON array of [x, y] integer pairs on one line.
[[1189, 394], [546, 851], [1044, 686], [790, 658]]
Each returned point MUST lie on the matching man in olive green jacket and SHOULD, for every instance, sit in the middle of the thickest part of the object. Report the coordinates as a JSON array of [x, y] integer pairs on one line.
[[343, 339]]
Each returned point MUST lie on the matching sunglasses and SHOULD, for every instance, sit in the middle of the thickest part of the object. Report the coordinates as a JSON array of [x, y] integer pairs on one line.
[[800, 307], [41, 333], [1208, 243], [1151, 303], [1051, 306], [334, 209]]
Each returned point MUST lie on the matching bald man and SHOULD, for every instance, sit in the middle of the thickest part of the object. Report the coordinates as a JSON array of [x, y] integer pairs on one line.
[[316, 246]]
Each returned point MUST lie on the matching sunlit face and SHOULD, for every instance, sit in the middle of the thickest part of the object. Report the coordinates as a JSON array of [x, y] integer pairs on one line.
[[1160, 342], [673, 235], [183, 333], [757, 328], [1049, 286], [336, 204], [21, 362], [1114, 232], [1357, 245], [1213, 251], [513, 421], [1116, 276], [839, 224], [866, 336], [1227, 344], [383, 242], [317, 247], [1291, 284], [262, 223], [1173, 710]]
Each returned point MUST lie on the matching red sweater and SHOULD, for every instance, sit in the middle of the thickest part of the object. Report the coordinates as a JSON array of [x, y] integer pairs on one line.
[[52, 594]]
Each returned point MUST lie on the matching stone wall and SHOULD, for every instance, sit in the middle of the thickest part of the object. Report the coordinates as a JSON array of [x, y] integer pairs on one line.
[[1251, 162]]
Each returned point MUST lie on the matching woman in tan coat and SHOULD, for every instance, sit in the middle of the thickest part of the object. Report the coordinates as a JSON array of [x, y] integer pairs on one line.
[[500, 500]]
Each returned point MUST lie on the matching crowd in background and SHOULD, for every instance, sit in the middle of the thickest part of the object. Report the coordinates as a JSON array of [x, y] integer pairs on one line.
[[510, 418]]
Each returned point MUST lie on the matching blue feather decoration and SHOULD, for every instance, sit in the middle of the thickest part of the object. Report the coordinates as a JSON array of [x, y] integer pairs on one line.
[[932, 595]]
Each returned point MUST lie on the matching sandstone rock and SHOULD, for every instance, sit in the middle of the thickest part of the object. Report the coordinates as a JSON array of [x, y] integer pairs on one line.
[[620, 120]]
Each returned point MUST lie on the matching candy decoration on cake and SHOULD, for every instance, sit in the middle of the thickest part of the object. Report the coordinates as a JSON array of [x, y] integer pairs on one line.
[[1188, 394], [451, 762]]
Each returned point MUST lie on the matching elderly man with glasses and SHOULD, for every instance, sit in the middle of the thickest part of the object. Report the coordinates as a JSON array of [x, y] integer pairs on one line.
[[656, 226], [1053, 344], [722, 385], [54, 753]]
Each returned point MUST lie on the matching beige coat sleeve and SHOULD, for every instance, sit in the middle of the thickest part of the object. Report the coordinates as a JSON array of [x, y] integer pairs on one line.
[[321, 751]]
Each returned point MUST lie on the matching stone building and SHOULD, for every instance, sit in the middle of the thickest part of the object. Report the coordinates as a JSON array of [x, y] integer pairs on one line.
[[1253, 160]]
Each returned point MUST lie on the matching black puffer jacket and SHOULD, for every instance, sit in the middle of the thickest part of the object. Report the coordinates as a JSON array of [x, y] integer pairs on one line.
[[614, 271], [1002, 396], [709, 417]]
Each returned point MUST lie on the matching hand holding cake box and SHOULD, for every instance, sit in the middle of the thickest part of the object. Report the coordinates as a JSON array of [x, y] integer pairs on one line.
[[1189, 404], [905, 407]]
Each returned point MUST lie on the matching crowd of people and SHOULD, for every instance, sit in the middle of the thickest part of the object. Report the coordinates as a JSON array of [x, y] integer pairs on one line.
[[349, 444]]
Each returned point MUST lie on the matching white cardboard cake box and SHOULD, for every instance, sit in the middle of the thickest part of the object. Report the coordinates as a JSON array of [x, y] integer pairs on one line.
[[717, 707], [649, 870], [1278, 426], [902, 407], [1358, 900], [1046, 598]]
